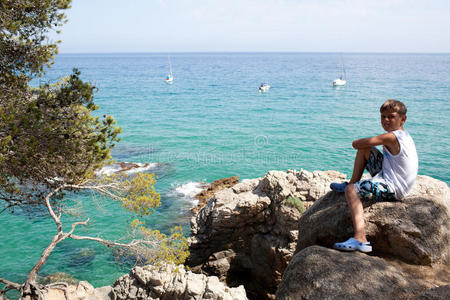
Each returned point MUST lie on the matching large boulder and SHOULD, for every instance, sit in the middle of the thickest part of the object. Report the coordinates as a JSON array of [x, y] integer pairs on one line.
[[248, 233], [410, 239], [438, 293], [322, 273], [174, 283], [415, 230]]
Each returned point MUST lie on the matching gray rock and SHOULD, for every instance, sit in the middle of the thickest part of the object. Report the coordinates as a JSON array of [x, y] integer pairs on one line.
[[82, 290], [322, 273], [415, 230], [438, 293], [105, 292], [173, 282], [247, 234], [410, 238]]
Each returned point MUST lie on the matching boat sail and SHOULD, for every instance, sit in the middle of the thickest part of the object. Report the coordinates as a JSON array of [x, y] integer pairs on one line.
[[341, 80], [169, 77]]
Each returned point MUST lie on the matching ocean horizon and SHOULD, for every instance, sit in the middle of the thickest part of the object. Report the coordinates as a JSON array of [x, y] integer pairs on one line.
[[255, 52], [213, 123]]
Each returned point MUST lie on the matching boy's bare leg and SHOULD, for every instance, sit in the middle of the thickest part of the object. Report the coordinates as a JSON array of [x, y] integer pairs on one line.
[[362, 156], [357, 211], [353, 200]]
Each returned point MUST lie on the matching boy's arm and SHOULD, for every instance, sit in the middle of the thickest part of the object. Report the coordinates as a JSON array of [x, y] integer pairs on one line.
[[389, 140]]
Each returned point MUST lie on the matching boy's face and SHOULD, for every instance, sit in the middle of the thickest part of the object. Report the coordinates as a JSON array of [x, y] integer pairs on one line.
[[391, 120]]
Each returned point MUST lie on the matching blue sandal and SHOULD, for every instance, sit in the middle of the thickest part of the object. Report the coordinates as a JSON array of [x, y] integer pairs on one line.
[[353, 245], [339, 187]]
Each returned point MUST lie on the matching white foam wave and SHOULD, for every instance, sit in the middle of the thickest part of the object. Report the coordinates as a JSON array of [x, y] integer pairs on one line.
[[188, 191], [125, 167]]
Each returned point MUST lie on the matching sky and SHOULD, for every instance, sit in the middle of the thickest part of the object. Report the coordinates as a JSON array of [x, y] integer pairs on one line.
[[110, 26]]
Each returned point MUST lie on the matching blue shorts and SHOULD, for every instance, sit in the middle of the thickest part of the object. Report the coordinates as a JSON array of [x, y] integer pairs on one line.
[[374, 188]]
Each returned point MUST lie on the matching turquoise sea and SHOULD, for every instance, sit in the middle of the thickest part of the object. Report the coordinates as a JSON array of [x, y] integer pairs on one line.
[[212, 123]]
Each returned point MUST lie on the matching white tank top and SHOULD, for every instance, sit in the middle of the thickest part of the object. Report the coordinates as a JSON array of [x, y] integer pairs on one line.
[[400, 171]]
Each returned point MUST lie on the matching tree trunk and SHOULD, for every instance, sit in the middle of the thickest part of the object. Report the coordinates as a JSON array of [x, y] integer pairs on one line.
[[30, 287]]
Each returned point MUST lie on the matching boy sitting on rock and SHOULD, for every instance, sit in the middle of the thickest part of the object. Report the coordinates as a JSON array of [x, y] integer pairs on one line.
[[393, 171]]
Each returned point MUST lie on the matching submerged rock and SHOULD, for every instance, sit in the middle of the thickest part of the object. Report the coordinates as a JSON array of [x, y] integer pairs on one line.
[[125, 167], [58, 277], [81, 257]]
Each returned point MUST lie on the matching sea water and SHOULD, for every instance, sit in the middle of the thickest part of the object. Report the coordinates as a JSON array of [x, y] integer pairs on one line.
[[213, 123]]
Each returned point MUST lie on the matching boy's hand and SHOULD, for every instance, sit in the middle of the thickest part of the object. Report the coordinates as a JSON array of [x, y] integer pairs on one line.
[[389, 140]]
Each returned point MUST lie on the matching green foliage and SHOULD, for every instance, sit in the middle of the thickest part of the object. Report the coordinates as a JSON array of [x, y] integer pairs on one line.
[[295, 202], [141, 197], [163, 249], [52, 134], [24, 26], [51, 141], [48, 135]]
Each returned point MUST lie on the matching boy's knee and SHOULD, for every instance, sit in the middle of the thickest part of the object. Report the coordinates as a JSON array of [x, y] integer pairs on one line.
[[365, 152], [350, 193], [349, 188]]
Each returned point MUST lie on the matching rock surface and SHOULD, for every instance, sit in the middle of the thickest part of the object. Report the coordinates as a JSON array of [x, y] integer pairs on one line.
[[322, 273], [173, 282], [439, 293], [410, 239], [415, 230], [248, 233], [253, 234], [211, 189], [81, 291]]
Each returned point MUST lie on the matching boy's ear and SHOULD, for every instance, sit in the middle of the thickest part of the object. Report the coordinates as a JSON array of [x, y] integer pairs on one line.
[[403, 119]]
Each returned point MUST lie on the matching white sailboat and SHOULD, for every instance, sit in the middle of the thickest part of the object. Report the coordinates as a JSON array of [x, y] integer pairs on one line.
[[169, 77], [341, 80], [264, 87]]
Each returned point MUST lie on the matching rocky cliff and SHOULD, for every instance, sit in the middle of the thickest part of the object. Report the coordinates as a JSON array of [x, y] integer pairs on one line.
[[249, 233], [411, 240]]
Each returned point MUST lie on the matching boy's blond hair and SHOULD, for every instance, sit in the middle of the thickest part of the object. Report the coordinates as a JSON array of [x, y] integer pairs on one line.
[[392, 105]]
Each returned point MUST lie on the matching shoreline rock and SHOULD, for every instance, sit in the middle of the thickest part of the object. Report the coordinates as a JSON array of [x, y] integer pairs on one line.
[[322, 273], [248, 234], [214, 187], [173, 282], [415, 230], [82, 290]]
